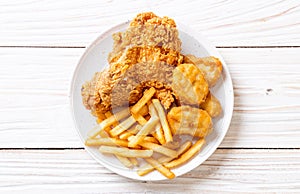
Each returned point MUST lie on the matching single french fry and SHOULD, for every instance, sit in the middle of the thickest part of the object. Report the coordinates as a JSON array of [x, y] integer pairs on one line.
[[159, 134], [158, 148], [152, 110], [186, 155], [134, 161], [172, 145], [108, 122], [145, 130], [100, 117], [109, 114], [125, 152], [125, 135], [163, 120], [144, 110], [164, 159], [125, 161], [140, 119], [122, 126], [103, 133], [145, 98], [106, 141], [150, 139], [163, 170], [130, 132]]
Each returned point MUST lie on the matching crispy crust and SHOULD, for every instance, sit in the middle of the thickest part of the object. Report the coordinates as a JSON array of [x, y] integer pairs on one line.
[[189, 84]]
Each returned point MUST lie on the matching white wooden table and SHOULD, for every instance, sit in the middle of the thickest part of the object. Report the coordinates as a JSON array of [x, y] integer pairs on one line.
[[42, 41]]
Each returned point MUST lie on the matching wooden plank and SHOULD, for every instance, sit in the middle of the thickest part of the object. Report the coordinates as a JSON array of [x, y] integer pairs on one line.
[[225, 23], [74, 171], [35, 107]]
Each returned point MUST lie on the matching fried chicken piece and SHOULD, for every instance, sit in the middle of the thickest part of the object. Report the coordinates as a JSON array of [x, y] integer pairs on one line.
[[212, 105], [139, 68], [189, 84], [210, 66], [93, 93], [147, 29], [149, 18], [189, 120]]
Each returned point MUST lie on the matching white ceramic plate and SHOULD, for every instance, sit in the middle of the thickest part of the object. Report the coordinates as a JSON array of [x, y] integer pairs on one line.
[[95, 59]]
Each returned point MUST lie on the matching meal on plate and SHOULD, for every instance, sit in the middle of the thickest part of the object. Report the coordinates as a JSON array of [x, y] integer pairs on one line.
[[153, 104]]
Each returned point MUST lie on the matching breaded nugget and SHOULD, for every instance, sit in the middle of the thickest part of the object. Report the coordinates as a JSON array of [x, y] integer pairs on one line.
[[189, 84], [211, 105], [210, 66], [189, 120]]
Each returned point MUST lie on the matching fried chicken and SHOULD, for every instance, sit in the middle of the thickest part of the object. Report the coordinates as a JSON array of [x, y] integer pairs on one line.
[[147, 29]]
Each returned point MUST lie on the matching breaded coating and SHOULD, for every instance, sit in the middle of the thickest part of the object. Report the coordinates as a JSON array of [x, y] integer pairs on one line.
[[93, 93], [189, 84], [212, 105], [129, 75], [210, 66], [189, 120], [147, 29]]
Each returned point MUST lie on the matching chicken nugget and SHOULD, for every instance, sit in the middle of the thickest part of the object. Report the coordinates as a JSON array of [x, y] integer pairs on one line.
[[211, 105], [189, 84], [210, 66], [190, 121]]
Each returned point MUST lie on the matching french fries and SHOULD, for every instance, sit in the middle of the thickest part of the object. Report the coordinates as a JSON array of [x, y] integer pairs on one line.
[[158, 148], [129, 135], [125, 152], [187, 155], [122, 126], [125, 161], [163, 170], [148, 168], [108, 122], [145, 130]]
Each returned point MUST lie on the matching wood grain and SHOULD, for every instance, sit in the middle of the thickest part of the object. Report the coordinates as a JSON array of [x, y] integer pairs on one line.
[[34, 100], [73, 171], [224, 23]]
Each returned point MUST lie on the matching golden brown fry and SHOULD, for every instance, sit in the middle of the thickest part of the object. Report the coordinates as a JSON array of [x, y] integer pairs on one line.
[[125, 152], [144, 131], [140, 119], [122, 126], [159, 149], [108, 122], [106, 141], [146, 97], [187, 155], [159, 134], [125, 135], [125, 161], [103, 133], [163, 120], [144, 110], [164, 159], [163, 170], [150, 139], [134, 161], [212, 105], [109, 114], [172, 145]]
